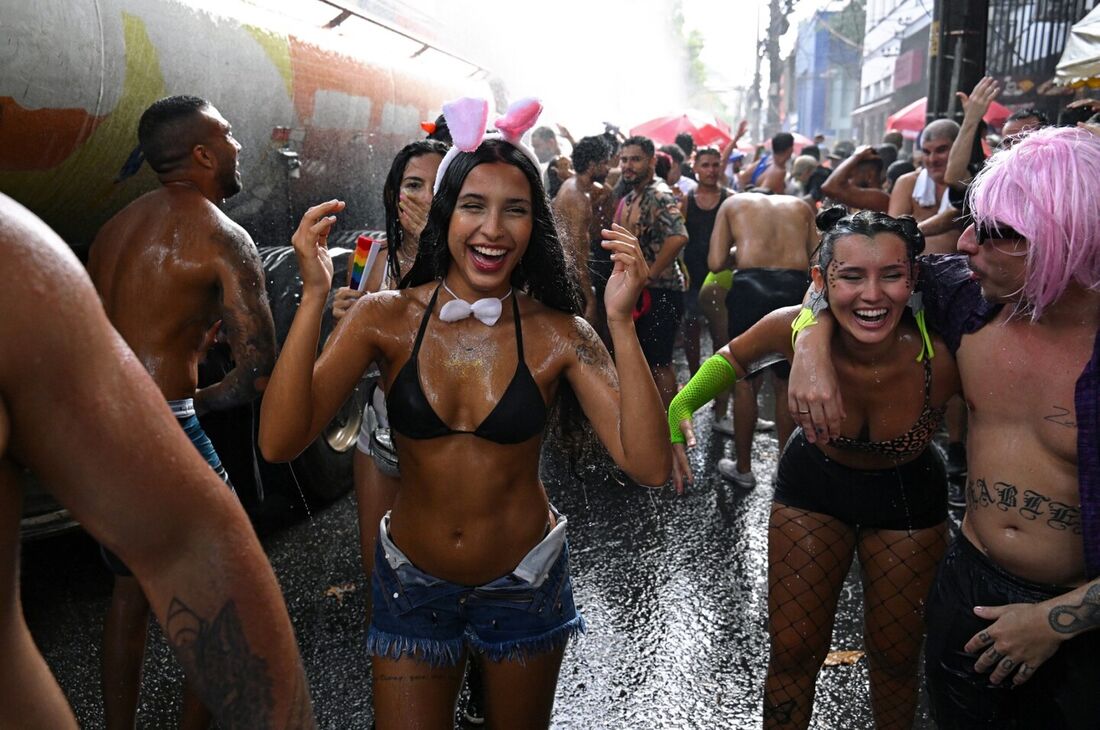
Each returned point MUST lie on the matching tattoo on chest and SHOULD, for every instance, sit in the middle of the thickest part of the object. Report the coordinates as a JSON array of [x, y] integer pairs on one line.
[[591, 352], [231, 679], [1061, 416], [1029, 504], [1073, 618]]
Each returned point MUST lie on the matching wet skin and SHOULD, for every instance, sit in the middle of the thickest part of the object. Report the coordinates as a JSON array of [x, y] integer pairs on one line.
[[935, 153], [575, 207], [464, 370], [774, 231], [171, 264], [868, 282], [190, 546], [1023, 505]]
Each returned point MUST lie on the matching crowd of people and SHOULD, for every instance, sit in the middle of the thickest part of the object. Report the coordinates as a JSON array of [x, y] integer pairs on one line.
[[894, 298]]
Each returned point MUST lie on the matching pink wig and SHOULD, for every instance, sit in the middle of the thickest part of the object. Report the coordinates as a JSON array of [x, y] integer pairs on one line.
[[1047, 187]]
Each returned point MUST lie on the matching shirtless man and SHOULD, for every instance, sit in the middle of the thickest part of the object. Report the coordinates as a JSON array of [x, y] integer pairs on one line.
[[131, 477], [1017, 592], [768, 240], [923, 193], [771, 175], [857, 182], [168, 267], [574, 208]]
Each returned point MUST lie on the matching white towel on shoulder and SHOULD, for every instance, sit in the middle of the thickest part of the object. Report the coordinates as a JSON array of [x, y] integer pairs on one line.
[[924, 192]]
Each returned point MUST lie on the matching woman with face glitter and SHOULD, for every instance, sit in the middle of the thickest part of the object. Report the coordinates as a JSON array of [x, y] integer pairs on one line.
[[879, 491]]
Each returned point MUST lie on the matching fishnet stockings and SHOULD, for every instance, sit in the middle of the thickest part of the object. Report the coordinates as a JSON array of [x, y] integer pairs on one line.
[[808, 558]]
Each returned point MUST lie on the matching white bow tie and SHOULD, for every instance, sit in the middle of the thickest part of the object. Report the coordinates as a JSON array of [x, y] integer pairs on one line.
[[486, 310]]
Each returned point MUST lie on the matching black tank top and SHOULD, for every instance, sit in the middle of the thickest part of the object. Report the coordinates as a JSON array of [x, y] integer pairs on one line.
[[518, 416], [700, 224]]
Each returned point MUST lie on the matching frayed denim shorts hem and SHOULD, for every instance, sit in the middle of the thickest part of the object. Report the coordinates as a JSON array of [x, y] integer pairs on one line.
[[522, 614]]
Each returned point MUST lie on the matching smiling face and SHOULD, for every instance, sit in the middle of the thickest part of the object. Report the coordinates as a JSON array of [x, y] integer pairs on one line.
[[489, 230], [934, 154], [869, 281]]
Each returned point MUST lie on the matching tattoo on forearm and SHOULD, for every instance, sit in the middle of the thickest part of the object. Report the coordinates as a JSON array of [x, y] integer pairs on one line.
[[1085, 615], [591, 351], [232, 680], [1029, 504], [1061, 416]]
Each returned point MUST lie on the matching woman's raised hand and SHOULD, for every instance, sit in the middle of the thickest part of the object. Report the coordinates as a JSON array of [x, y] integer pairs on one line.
[[310, 243], [629, 275]]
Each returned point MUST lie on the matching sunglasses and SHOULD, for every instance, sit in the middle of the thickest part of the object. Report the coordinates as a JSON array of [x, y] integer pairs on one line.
[[994, 231]]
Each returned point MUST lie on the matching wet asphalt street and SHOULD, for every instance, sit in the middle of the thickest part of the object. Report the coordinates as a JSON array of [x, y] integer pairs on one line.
[[674, 590]]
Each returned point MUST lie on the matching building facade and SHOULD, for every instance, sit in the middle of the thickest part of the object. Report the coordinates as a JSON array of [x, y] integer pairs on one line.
[[826, 79]]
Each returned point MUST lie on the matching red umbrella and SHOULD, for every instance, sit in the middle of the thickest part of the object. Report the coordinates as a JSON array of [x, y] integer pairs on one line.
[[909, 120], [704, 128]]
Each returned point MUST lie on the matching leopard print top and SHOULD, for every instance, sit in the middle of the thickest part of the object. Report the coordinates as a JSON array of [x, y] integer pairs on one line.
[[910, 443]]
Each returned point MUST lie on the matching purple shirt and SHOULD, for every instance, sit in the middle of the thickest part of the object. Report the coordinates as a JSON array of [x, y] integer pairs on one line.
[[954, 306]]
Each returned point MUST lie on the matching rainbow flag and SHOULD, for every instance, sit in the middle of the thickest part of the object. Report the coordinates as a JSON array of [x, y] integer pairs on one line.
[[366, 252]]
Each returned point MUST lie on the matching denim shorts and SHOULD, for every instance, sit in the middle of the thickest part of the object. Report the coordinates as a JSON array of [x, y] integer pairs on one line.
[[529, 611]]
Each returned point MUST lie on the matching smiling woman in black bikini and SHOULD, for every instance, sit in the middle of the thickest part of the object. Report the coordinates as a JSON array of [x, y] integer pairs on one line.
[[472, 557], [879, 489]]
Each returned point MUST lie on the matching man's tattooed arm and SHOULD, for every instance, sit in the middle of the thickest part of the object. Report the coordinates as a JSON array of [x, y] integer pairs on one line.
[[232, 680], [1073, 618]]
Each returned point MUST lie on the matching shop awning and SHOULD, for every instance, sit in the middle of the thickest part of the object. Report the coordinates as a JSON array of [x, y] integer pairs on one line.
[[1080, 62]]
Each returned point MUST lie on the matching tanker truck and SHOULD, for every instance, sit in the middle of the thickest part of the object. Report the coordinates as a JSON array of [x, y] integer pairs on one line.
[[320, 93]]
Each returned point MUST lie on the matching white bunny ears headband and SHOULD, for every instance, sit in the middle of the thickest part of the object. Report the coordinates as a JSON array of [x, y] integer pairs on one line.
[[467, 118]]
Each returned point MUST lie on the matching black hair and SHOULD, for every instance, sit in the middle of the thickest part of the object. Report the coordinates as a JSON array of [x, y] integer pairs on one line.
[[547, 272], [673, 151], [165, 133], [662, 164], [395, 234], [589, 151], [686, 142], [441, 133], [782, 142], [1029, 112], [639, 141], [813, 151], [708, 150], [553, 181], [835, 223], [888, 153]]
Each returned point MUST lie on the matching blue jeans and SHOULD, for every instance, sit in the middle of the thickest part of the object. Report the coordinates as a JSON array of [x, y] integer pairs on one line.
[[528, 611]]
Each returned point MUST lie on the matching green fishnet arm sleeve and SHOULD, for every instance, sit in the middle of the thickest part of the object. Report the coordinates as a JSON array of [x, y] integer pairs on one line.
[[715, 376]]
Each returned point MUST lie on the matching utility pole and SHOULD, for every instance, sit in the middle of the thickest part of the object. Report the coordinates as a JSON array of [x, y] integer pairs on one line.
[[778, 10], [956, 54]]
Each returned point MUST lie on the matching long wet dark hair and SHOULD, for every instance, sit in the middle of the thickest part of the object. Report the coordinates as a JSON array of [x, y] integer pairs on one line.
[[547, 272], [395, 234]]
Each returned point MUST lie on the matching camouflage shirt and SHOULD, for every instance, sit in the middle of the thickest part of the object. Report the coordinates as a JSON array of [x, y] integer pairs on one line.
[[655, 216]]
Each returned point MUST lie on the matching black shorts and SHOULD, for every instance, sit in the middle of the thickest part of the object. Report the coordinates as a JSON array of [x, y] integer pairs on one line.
[[756, 293], [658, 326], [1063, 693], [911, 496]]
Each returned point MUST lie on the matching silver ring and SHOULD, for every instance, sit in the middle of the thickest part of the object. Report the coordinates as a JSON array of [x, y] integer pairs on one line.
[[803, 413]]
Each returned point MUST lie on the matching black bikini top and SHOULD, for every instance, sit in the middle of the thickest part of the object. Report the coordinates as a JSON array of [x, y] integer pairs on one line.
[[519, 415], [910, 443]]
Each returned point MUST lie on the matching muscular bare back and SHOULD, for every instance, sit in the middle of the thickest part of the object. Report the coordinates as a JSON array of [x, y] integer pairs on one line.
[[769, 231], [167, 268]]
